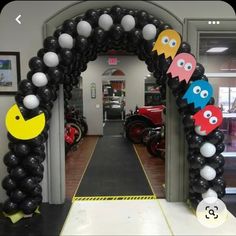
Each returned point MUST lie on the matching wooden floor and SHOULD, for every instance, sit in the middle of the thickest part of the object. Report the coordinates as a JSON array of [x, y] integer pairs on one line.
[[154, 168], [77, 161]]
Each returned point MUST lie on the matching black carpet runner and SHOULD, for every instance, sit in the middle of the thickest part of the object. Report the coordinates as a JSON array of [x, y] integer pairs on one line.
[[114, 169]]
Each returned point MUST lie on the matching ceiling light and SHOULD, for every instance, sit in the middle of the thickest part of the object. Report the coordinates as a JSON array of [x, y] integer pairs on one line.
[[217, 22], [213, 22], [217, 49], [209, 22]]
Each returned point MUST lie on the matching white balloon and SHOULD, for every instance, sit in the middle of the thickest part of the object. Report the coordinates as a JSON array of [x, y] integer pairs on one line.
[[149, 31], [209, 193], [207, 149], [50, 59], [208, 173], [65, 41], [128, 22], [39, 79], [105, 21], [200, 132], [31, 101], [84, 28]]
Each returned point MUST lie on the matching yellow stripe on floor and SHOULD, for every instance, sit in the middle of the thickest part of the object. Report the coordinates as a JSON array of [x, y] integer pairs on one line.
[[114, 198]]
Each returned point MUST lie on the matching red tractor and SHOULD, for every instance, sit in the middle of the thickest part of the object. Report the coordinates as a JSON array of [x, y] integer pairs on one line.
[[142, 118]]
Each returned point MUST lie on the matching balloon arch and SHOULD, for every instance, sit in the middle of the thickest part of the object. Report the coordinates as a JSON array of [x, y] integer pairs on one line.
[[62, 59]]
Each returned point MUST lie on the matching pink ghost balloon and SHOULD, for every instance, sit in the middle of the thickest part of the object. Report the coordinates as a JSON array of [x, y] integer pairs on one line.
[[182, 66]]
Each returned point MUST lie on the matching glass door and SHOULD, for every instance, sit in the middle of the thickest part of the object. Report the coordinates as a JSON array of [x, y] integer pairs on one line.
[[214, 43]]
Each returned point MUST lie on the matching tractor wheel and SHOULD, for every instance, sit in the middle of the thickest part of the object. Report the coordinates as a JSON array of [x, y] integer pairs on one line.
[[145, 135], [134, 130], [156, 146]]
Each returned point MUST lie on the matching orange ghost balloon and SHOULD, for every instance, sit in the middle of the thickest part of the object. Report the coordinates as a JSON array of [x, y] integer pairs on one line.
[[167, 43]]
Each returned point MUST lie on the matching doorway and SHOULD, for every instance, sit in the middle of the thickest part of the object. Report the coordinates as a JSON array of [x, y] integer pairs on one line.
[[176, 181]]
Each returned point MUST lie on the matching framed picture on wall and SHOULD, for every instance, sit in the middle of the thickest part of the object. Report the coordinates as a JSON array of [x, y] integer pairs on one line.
[[9, 72]]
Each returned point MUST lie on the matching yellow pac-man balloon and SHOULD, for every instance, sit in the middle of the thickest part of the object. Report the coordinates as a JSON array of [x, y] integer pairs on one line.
[[23, 129], [167, 43]]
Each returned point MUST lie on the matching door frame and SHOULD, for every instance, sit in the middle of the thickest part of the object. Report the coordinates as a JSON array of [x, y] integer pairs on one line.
[[176, 166]]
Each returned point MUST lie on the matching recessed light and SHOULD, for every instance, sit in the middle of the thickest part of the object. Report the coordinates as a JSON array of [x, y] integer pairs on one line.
[[217, 49], [213, 22], [217, 22], [209, 22]]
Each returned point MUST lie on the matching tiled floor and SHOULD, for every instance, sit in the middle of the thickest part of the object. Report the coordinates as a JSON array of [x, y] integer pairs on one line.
[[145, 217]]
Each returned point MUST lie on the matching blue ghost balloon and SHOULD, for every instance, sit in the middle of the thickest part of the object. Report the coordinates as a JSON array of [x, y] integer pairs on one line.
[[199, 93]]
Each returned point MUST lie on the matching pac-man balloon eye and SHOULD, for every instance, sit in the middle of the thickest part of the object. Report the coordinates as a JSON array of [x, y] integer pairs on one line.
[[167, 43], [182, 66], [199, 93], [23, 129]]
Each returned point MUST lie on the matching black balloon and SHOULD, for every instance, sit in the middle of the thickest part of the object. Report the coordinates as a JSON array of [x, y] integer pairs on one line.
[[10, 207], [220, 148], [30, 163], [116, 13], [165, 26], [21, 149], [57, 32], [51, 44], [184, 48], [41, 52], [69, 27], [200, 185], [218, 184], [219, 171], [37, 141], [17, 196], [211, 101], [11, 160], [28, 206], [26, 87], [195, 141], [216, 161], [92, 16], [55, 75], [44, 93], [66, 56], [36, 64], [28, 184], [116, 32], [199, 70], [99, 35], [37, 191], [81, 43], [18, 173], [216, 137], [196, 161], [142, 18], [8, 183]]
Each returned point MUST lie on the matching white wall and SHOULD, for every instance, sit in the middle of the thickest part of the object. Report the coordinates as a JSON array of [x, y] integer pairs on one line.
[[27, 37], [134, 70]]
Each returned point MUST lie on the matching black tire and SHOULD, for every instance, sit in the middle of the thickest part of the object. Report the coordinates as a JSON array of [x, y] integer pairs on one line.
[[84, 126], [134, 130], [154, 141]]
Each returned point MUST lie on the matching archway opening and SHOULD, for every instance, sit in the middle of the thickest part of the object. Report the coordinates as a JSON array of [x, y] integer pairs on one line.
[[65, 56]]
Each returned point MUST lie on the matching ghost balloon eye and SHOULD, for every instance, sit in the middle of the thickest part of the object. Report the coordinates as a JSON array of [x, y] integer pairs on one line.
[[180, 62], [213, 120], [204, 93], [165, 40], [197, 89], [188, 66], [207, 114], [17, 117], [172, 43]]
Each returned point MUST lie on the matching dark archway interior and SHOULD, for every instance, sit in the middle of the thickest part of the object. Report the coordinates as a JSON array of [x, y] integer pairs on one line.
[[25, 157]]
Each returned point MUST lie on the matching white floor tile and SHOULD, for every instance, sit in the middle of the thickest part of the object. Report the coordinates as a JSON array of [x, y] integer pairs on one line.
[[183, 222], [115, 218]]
